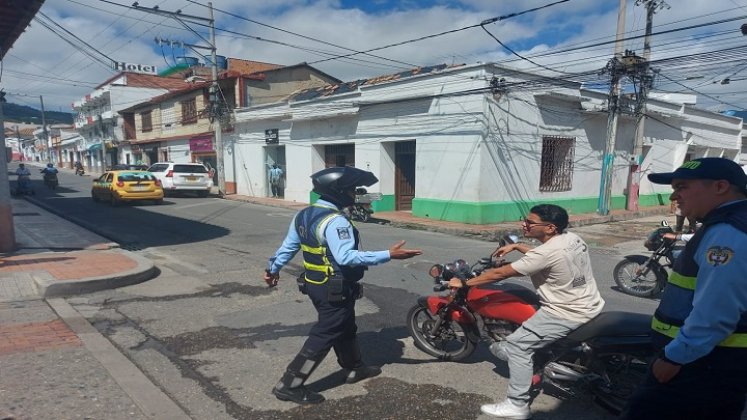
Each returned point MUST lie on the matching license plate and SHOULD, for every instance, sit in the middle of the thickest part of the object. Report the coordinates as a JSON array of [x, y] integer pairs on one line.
[[139, 188], [191, 178]]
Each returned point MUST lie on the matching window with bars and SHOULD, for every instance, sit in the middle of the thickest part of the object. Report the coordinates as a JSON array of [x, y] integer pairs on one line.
[[339, 155], [189, 111], [147, 120], [557, 163]]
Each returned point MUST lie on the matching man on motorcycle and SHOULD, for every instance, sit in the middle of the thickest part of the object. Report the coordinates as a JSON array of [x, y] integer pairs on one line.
[[334, 265], [22, 171], [701, 322], [560, 270], [49, 170]]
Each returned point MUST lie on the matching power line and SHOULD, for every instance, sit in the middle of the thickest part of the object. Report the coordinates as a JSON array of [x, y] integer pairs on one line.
[[49, 25], [422, 38], [303, 36]]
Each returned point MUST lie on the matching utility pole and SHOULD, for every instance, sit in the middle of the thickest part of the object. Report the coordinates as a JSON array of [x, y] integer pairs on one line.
[[215, 100], [215, 111], [645, 85], [608, 160], [45, 133], [7, 230]]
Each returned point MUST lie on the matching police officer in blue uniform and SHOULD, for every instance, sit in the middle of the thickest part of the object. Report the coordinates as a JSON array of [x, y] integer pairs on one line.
[[333, 266], [701, 322]]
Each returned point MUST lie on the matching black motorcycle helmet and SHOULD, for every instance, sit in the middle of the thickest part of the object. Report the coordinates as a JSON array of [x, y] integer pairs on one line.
[[338, 184]]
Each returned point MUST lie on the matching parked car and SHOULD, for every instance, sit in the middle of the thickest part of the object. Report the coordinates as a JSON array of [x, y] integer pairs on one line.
[[128, 167], [183, 177], [119, 186]]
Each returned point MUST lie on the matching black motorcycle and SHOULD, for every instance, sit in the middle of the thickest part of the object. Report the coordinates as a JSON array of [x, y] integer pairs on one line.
[[643, 276], [50, 180], [361, 211]]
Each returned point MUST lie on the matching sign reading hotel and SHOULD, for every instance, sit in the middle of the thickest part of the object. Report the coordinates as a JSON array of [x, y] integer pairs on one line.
[[134, 68]]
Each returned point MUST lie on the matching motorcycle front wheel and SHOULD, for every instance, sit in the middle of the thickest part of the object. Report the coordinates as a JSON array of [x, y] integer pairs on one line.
[[634, 277], [451, 341]]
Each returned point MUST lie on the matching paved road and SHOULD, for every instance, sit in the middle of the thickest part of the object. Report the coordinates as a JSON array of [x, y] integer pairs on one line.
[[214, 339]]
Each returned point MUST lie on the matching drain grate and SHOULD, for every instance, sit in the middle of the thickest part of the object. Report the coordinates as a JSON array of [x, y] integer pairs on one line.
[[133, 246], [27, 214]]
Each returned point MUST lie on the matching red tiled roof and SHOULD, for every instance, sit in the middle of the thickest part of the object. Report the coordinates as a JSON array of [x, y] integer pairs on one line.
[[249, 66], [173, 93], [148, 81]]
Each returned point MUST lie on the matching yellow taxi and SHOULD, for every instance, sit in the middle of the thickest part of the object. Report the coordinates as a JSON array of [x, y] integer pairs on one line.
[[119, 186]]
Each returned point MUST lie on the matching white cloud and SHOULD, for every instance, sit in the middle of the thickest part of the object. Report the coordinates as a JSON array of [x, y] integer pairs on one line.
[[127, 35]]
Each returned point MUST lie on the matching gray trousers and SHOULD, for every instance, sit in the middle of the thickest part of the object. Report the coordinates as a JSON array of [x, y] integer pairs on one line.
[[518, 349]]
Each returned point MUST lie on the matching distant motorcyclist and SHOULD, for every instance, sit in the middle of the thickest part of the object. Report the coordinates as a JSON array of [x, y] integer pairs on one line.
[[24, 180], [23, 171], [49, 170], [79, 170]]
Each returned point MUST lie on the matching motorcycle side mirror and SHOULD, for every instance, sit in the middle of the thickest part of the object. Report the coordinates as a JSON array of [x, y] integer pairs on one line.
[[507, 239], [461, 266], [436, 271]]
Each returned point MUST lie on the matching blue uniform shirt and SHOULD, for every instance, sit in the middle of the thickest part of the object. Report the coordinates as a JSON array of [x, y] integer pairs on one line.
[[338, 237], [720, 296]]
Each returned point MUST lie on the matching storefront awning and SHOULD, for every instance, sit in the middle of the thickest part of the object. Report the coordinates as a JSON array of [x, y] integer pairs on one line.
[[94, 147]]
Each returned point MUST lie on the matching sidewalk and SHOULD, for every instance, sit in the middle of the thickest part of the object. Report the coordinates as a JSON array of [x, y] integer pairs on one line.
[[56, 257], [492, 232], [54, 363]]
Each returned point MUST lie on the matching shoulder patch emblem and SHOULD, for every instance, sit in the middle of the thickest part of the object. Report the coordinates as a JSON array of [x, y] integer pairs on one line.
[[343, 233], [719, 255]]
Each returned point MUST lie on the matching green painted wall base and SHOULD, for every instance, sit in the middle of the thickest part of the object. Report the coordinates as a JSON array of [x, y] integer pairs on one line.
[[496, 212]]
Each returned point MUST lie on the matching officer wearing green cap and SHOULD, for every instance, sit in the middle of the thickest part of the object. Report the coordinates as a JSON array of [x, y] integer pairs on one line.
[[700, 325]]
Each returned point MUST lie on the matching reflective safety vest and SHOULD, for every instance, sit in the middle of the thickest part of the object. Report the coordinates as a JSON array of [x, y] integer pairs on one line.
[[318, 260], [677, 298]]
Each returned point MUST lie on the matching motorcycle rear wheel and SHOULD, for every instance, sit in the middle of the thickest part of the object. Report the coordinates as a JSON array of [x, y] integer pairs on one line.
[[634, 278], [620, 378], [452, 343]]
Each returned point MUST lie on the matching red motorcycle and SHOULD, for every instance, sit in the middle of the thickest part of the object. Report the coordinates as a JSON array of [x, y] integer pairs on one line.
[[608, 355]]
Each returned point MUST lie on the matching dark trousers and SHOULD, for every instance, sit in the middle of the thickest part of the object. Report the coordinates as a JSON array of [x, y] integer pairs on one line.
[[698, 392], [335, 328], [276, 190]]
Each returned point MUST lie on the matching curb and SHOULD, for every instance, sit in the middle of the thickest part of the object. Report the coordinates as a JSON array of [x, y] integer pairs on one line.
[[153, 402], [145, 270]]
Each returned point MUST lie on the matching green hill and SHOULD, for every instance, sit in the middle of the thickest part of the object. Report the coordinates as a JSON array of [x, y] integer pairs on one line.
[[26, 114]]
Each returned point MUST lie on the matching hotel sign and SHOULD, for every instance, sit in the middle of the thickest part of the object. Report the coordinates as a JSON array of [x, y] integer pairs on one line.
[[134, 68]]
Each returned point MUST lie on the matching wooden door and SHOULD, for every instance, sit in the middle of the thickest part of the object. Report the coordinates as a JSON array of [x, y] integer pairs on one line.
[[404, 167]]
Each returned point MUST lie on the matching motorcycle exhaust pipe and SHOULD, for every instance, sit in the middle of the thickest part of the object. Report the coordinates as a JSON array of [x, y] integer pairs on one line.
[[557, 372]]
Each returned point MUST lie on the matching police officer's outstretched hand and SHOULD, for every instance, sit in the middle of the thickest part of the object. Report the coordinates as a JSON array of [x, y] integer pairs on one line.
[[397, 253]]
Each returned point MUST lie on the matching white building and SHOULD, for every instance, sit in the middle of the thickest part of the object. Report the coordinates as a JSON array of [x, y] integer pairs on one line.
[[476, 144], [99, 122]]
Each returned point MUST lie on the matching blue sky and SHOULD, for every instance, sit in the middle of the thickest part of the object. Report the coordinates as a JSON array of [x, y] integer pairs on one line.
[[127, 35]]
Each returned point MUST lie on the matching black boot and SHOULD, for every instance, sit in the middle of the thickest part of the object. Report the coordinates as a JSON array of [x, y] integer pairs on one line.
[[291, 386], [349, 358], [361, 373]]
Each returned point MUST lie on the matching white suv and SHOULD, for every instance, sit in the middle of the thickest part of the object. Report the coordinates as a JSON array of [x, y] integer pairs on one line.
[[183, 177]]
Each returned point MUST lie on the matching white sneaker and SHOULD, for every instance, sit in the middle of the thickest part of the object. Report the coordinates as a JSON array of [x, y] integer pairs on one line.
[[508, 410]]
